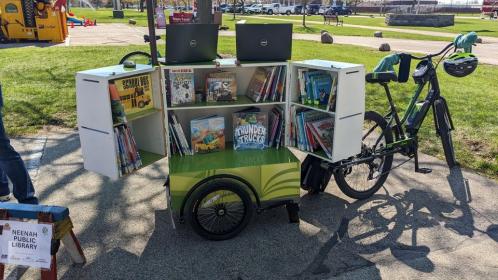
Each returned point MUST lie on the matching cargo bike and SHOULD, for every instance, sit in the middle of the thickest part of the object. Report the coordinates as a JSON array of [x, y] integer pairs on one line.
[[218, 193]]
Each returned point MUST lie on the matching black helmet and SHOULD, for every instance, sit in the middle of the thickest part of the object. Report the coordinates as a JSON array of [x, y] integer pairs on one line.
[[460, 64]]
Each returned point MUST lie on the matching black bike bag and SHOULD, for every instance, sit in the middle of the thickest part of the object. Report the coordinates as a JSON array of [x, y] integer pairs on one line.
[[404, 67]]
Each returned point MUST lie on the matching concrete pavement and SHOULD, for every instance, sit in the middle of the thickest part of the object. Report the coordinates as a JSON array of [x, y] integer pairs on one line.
[[443, 225]]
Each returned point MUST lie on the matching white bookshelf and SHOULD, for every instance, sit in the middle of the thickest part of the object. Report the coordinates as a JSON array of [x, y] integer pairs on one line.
[[151, 129], [95, 124], [349, 111]]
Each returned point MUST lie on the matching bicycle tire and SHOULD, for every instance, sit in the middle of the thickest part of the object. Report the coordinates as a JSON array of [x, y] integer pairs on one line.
[[444, 131], [341, 174], [138, 54]]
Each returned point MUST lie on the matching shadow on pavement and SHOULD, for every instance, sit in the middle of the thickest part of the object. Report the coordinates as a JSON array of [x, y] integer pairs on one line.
[[335, 237]]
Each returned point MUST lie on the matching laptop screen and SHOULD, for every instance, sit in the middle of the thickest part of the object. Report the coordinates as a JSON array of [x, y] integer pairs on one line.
[[264, 42], [186, 43]]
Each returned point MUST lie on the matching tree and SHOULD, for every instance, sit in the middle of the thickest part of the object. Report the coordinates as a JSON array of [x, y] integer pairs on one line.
[[354, 3]]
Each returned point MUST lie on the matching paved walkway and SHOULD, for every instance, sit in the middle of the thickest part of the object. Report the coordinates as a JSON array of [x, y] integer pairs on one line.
[[443, 225]]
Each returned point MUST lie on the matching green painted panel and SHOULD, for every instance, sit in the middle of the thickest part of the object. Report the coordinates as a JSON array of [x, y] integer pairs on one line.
[[228, 159], [275, 174]]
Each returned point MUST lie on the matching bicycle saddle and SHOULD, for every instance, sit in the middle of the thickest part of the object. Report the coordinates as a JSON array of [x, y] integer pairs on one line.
[[381, 77]]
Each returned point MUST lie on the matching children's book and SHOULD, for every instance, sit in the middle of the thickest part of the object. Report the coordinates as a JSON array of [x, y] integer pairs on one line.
[[135, 93], [323, 132], [322, 88], [221, 86], [257, 84], [332, 96], [182, 88], [250, 129], [207, 134]]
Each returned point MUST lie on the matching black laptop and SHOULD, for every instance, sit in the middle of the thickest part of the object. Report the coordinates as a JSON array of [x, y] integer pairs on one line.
[[264, 42], [186, 43]]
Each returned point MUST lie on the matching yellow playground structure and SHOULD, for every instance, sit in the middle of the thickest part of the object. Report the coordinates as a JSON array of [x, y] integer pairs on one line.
[[34, 20]]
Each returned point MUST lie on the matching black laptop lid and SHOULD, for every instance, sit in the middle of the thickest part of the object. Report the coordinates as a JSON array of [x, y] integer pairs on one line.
[[264, 42], [187, 43]]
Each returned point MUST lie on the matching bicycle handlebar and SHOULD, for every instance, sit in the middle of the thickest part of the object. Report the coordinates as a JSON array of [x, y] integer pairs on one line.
[[434, 54]]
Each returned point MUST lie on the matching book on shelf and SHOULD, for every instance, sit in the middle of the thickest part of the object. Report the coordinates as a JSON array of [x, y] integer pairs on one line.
[[267, 84], [181, 86], [179, 145], [207, 134], [317, 87], [312, 130], [135, 93], [277, 126], [128, 157], [117, 109], [221, 86], [250, 129]]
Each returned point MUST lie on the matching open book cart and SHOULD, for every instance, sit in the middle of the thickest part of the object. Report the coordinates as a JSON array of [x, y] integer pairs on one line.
[[217, 192]]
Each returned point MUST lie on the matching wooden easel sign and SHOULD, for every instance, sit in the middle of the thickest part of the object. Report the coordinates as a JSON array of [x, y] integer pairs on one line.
[[24, 243]]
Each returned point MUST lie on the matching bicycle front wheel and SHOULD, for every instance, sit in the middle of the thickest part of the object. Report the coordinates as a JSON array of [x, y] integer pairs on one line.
[[362, 180], [444, 130], [138, 57]]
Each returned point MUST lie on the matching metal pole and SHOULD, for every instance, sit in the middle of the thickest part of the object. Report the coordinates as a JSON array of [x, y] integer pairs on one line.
[[152, 31]]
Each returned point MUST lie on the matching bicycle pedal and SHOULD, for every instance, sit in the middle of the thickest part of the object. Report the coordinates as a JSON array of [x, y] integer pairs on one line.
[[423, 170]]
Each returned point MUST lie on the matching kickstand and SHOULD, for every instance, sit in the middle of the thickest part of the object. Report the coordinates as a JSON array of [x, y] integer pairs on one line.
[[419, 169]]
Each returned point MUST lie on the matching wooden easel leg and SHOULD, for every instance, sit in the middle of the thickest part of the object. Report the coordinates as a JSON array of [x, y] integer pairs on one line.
[[4, 215], [73, 247], [52, 273]]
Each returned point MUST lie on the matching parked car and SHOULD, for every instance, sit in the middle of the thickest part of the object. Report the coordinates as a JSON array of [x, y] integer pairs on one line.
[[339, 11], [287, 10], [312, 9], [323, 9], [298, 9], [255, 9], [270, 9]]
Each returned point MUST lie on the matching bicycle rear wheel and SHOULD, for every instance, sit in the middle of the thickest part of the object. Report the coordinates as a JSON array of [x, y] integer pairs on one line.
[[444, 131], [138, 57], [362, 180]]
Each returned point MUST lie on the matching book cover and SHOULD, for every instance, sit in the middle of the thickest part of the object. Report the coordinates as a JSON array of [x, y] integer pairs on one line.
[[332, 96], [207, 134], [135, 93], [257, 84], [221, 86], [250, 130], [323, 131], [322, 87], [182, 87]]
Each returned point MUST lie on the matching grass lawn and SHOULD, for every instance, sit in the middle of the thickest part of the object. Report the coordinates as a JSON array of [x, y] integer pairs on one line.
[[39, 90], [483, 27], [335, 30], [104, 15]]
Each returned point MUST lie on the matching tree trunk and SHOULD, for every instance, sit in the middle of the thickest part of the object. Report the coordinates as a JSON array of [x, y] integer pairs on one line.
[[142, 5], [204, 11], [304, 13]]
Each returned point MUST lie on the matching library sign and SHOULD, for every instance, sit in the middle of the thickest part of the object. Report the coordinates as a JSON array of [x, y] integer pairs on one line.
[[24, 243]]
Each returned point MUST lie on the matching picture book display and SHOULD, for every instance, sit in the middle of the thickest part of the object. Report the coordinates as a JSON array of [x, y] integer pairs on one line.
[[181, 86], [207, 134], [267, 84], [221, 86], [312, 130], [317, 87], [135, 93], [250, 129]]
